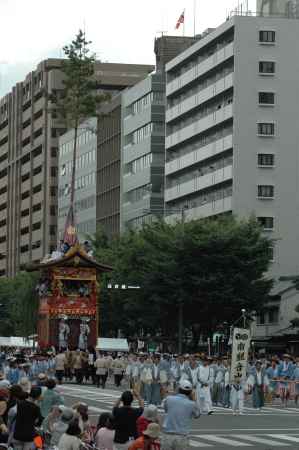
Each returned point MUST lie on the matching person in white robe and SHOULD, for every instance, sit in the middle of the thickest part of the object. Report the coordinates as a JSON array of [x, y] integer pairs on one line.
[[203, 388]]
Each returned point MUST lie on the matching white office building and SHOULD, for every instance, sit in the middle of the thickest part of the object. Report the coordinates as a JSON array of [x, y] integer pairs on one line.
[[232, 134]]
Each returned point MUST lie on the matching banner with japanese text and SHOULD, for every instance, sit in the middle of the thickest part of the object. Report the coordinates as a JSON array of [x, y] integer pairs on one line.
[[240, 349]]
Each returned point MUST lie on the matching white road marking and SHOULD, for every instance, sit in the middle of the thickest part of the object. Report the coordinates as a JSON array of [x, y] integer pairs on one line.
[[285, 437], [242, 429], [198, 444], [260, 440], [223, 440]]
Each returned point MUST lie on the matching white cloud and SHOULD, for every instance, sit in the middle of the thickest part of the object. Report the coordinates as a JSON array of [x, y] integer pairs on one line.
[[121, 31]]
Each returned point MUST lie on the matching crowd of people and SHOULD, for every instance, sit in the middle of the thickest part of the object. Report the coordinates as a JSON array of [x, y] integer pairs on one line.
[[186, 386]]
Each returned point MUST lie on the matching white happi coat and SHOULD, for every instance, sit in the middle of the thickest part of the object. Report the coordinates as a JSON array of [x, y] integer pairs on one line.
[[205, 381]]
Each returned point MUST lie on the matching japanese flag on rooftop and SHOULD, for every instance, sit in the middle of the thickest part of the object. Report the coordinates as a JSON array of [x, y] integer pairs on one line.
[[181, 19]]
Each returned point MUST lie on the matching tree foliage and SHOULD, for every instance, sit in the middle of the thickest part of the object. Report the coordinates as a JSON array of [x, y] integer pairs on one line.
[[214, 267], [79, 99], [20, 305]]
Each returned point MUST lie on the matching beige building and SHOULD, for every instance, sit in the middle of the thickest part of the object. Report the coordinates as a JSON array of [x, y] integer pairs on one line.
[[29, 132]]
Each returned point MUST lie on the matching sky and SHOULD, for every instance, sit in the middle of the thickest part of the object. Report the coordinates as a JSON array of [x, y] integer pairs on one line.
[[120, 31]]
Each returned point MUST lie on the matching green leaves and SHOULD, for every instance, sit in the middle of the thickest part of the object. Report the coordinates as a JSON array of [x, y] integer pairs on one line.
[[19, 314], [80, 97], [214, 267]]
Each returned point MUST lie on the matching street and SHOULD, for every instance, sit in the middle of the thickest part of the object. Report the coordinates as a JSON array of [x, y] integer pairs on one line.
[[271, 428]]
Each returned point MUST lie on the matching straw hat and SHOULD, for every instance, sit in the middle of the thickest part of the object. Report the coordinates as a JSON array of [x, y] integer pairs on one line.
[[152, 431]]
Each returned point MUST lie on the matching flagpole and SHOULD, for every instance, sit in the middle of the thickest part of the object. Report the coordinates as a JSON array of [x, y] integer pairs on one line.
[[194, 18]]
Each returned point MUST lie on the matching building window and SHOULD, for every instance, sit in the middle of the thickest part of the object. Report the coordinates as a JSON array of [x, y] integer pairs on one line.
[[266, 98], [267, 67], [37, 189], [36, 226], [37, 207], [267, 36], [273, 315], [265, 191], [261, 318], [265, 129], [24, 230], [266, 222], [265, 159]]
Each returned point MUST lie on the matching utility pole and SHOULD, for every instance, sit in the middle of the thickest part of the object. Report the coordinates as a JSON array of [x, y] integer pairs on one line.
[[181, 303]]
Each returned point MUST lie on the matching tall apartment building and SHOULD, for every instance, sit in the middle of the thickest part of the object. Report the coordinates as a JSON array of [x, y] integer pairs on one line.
[[85, 182], [142, 154], [108, 167], [143, 140], [232, 134], [29, 132]]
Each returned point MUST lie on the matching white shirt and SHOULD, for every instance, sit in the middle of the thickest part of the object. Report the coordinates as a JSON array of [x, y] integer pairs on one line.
[[194, 373], [259, 378], [205, 374]]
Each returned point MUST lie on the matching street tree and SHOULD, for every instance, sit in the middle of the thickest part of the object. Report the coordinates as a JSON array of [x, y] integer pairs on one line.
[[200, 273], [20, 305], [80, 98]]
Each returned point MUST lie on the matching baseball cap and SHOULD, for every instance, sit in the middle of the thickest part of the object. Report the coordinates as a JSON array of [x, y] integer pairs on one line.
[[185, 385]]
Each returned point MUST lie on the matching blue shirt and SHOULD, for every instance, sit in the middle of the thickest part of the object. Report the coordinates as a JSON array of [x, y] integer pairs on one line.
[[179, 412]]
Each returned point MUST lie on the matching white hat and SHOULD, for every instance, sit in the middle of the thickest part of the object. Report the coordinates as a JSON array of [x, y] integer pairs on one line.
[[185, 385]]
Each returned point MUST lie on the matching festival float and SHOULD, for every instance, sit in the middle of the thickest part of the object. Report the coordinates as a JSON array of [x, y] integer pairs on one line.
[[68, 290]]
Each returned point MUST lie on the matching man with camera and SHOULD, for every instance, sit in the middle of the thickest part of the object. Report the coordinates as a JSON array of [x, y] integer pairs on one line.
[[180, 409]]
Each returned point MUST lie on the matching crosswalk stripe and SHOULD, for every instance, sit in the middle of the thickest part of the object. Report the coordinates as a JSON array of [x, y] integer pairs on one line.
[[283, 410], [260, 440], [109, 396], [285, 437], [198, 444], [223, 440]]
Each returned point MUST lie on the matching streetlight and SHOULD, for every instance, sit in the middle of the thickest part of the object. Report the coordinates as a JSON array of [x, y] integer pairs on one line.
[[244, 316]]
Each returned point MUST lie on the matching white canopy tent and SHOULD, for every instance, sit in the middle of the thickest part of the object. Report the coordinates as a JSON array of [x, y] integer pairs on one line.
[[112, 345], [15, 341]]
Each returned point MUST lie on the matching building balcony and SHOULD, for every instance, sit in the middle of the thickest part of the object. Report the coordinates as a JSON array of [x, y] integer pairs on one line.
[[200, 68], [135, 121], [133, 181], [199, 183], [131, 210], [201, 97], [207, 210], [134, 151], [199, 126], [199, 155]]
